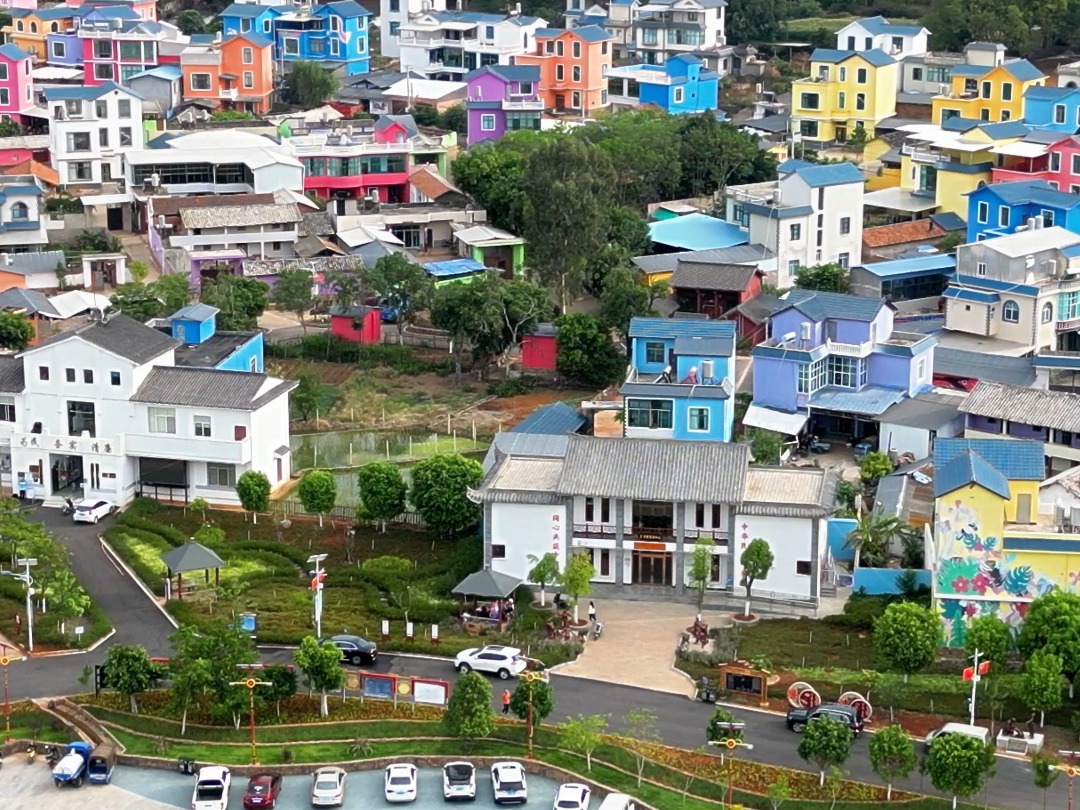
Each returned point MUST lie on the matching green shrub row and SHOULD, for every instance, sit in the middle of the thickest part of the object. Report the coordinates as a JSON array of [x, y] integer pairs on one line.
[[332, 349]]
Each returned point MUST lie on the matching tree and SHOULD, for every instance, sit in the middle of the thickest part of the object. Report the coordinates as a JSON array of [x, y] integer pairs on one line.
[[294, 292], [719, 729], [892, 756], [253, 489], [755, 21], [318, 492], [576, 578], [468, 712], [957, 765], [543, 700], [566, 184], [627, 236], [765, 446], [756, 562], [639, 726], [129, 670], [779, 792], [823, 277], [825, 743], [1043, 683], [240, 300], [16, 331], [188, 680], [624, 298], [8, 129], [491, 174], [872, 536], [191, 22], [582, 735], [221, 647], [585, 351], [283, 683], [906, 637], [991, 637], [440, 487], [200, 505], [1052, 624], [321, 663], [173, 291], [643, 145], [469, 314], [401, 286], [308, 85], [307, 395], [348, 288], [1044, 773], [455, 119], [714, 154], [382, 491], [137, 301], [544, 572], [701, 567], [66, 597], [873, 467]]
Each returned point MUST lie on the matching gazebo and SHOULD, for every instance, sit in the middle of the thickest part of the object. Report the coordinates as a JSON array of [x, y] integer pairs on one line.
[[192, 557], [487, 584]]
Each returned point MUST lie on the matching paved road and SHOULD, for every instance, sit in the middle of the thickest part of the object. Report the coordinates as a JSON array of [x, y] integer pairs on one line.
[[681, 721]]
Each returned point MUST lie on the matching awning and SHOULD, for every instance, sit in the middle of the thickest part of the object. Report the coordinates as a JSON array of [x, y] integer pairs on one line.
[[790, 424], [1022, 149], [487, 584], [898, 199]]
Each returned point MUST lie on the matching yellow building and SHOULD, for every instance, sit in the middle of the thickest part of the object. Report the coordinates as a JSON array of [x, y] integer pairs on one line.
[[881, 162], [993, 553], [981, 93], [29, 27], [845, 91]]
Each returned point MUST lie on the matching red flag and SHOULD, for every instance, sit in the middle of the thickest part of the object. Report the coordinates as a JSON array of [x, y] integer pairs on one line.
[[984, 668], [969, 673]]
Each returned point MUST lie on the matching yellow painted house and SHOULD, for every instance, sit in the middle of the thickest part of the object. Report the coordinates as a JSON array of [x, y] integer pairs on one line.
[[29, 27], [981, 93], [845, 90], [992, 551]]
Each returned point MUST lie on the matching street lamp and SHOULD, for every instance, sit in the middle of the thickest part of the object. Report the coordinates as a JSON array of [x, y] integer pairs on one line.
[[5, 662], [530, 678], [317, 588], [26, 578], [730, 742], [251, 683], [1070, 770]]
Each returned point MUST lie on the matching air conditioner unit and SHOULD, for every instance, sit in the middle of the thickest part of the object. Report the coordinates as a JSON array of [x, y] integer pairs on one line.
[[1052, 268]]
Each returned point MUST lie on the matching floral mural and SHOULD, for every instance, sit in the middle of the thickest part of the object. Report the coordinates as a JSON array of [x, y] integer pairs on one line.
[[975, 576]]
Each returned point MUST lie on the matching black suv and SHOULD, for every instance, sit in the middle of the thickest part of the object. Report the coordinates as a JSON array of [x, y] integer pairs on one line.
[[355, 650], [797, 719]]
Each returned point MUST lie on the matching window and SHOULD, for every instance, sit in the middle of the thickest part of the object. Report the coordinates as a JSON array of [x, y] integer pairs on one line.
[[982, 213], [43, 372], [793, 267], [69, 374], [649, 413], [698, 420], [114, 377], [19, 25], [808, 129], [201, 81], [103, 138], [1048, 218], [796, 232], [1003, 216], [489, 32], [916, 74], [221, 475], [1076, 165], [245, 26], [654, 353], [843, 74], [559, 75], [844, 260], [248, 55], [1006, 115], [811, 376], [980, 269], [125, 136], [605, 510], [487, 122], [803, 568], [809, 101], [20, 211], [841, 100], [845, 225], [577, 50], [82, 171], [549, 46], [841, 371], [292, 46], [81, 418], [59, 51], [603, 49], [986, 87], [88, 376], [202, 426], [1047, 312], [920, 369], [575, 74], [103, 49], [78, 142], [395, 6], [860, 76], [498, 551], [1055, 161], [395, 28], [679, 95], [1010, 312], [162, 420], [7, 409], [860, 101]]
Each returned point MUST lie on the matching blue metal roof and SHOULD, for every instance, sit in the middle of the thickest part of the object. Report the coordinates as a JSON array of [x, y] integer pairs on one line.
[[171, 73], [958, 124], [1071, 252], [1017, 459], [935, 263], [879, 25], [249, 10], [968, 468], [821, 306], [454, 267], [971, 70], [697, 232], [949, 221], [832, 174], [556, 419], [675, 328], [1006, 129], [792, 164], [13, 52], [993, 284], [1023, 70], [873, 400], [508, 73], [195, 312], [875, 56], [1044, 93], [83, 93], [258, 40], [589, 29], [1039, 192], [343, 8], [976, 296]]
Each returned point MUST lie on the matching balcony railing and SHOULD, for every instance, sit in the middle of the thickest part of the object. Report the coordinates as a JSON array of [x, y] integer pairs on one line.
[[593, 530], [849, 349], [523, 104], [1069, 325]]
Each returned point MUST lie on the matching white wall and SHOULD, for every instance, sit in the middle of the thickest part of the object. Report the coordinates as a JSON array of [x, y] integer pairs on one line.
[[526, 529], [905, 439], [790, 540], [97, 155]]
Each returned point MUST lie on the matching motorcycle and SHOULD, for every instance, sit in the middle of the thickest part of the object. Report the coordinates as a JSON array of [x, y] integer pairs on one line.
[[706, 692], [31, 752], [52, 755], [68, 508], [597, 629]]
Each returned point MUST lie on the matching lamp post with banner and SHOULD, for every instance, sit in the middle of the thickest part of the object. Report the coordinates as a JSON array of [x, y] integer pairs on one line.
[[530, 678], [728, 744], [5, 661], [251, 683], [1070, 769]]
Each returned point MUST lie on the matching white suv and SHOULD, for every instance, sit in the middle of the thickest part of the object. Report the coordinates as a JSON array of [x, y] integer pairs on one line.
[[493, 659], [508, 783]]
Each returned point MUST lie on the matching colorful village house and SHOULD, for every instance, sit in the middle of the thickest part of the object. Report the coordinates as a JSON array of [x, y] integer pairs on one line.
[[332, 34], [237, 73], [981, 93], [681, 85], [501, 99], [845, 91], [573, 68]]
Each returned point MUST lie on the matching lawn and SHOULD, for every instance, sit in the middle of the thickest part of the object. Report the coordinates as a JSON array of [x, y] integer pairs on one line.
[[811, 25], [28, 722]]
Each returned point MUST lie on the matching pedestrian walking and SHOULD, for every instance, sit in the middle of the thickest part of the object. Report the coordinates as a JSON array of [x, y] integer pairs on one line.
[[592, 612], [506, 701]]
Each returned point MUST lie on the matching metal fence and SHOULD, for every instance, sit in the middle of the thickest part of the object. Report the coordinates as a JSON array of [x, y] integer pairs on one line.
[[349, 513], [418, 336]]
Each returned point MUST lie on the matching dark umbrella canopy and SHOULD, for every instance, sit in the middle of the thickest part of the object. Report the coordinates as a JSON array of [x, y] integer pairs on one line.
[[191, 557], [487, 584]]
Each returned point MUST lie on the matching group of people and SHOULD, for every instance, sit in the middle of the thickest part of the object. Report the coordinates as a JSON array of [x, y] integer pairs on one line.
[[500, 610]]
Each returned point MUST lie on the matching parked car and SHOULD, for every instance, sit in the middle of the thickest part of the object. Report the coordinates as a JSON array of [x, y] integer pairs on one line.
[[211, 788], [459, 781], [262, 791], [399, 782], [328, 787], [508, 783], [572, 796], [797, 719], [355, 650], [93, 511], [492, 659], [975, 732]]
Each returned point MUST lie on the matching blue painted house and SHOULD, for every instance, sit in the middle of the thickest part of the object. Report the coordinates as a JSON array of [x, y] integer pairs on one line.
[[680, 385], [833, 364], [195, 326], [332, 34], [683, 85], [1000, 208], [250, 18], [1053, 108]]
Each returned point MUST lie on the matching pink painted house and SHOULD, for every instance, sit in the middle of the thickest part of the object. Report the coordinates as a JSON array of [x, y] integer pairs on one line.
[[1057, 163], [18, 4], [147, 9], [16, 84]]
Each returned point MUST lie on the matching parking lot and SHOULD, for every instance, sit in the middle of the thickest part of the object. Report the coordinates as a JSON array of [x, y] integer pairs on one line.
[[24, 786]]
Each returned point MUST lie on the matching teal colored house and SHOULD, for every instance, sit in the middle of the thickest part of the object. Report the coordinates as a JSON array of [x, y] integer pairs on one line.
[[195, 326], [681, 86], [1000, 208], [680, 383]]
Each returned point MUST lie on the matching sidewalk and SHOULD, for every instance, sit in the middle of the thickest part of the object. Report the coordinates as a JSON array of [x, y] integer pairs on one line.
[[637, 647]]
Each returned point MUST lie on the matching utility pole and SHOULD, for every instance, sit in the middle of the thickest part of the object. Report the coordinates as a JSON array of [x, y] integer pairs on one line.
[[251, 683], [28, 580]]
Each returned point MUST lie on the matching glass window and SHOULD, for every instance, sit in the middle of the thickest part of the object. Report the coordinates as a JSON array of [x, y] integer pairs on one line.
[[103, 49], [1003, 216], [1048, 218], [1055, 161], [699, 420], [796, 232], [292, 46], [811, 376], [125, 136], [43, 372], [200, 81], [649, 413], [487, 123], [809, 101], [202, 426], [7, 409], [1006, 91], [577, 50], [220, 475], [1047, 312], [249, 80], [860, 101], [248, 56], [114, 377], [20, 211], [1010, 312], [81, 419], [980, 268], [845, 225], [130, 51], [69, 374], [162, 420], [78, 142], [58, 51], [654, 353], [88, 376], [101, 109], [575, 73], [860, 75], [982, 213]]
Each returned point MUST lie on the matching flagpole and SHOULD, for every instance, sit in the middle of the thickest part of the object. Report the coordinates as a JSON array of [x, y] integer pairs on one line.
[[974, 683]]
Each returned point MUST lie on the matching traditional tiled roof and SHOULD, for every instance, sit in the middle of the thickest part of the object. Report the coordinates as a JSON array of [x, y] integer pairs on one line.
[[119, 335], [901, 233], [829, 305], [1059, 410], [709, 276], [239, 216], [210, 388]]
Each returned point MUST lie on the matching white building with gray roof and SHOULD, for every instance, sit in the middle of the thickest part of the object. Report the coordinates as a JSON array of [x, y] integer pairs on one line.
[[638, 506], [105, 411]]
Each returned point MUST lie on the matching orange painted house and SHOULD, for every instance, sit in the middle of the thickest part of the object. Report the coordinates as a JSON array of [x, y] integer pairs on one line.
[[573, 67], [237, 73], [30, 26]]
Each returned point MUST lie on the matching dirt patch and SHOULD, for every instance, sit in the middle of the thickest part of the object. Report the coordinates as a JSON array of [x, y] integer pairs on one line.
[[511, 410], [328, 373]]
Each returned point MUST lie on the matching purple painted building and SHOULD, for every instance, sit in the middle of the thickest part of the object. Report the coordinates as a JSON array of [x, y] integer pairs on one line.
[[833, 364], [502, 98]]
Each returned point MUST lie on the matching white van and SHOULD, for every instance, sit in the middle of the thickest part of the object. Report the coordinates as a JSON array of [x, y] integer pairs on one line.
[[618, 801], [975, 732]]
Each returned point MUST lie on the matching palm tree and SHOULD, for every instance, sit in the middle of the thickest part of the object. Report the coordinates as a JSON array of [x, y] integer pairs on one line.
[[872, 536]]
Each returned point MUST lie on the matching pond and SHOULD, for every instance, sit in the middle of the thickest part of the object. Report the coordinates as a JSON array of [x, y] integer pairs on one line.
[[343, 449]]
